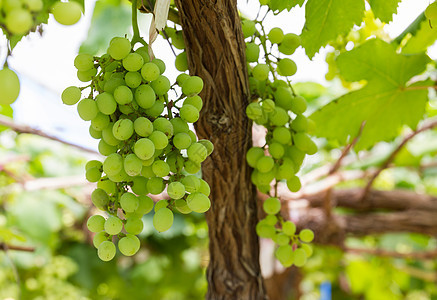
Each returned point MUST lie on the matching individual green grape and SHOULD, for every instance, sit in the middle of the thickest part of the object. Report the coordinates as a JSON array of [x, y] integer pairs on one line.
[[285, 170], [294, 184], [19, 21], [276, 150], [133, 79], [87, 75], [177, 40], [119, 48], [268, 105], [112, 84], [191, 167], [100, 121], [70, 95], [191, 183], [33, 5], [113, 225], [306, 235], [155, 185], [132, 165], [147, 170], [198, 202], [100, 198], [123, 129], [95, 134], [253, 155], [254, 111], [281, 239], [109, 137], [107, 185], [272, 205], [160, 63], [431, 11], [265, 164], [252, 52], [159, 139], [106, 103], [181, 206], [289, 44], [204, 188], [113, 164], [144, 148], [150, 71], [181, 62], [145, 205], [195, 101], [298, 105], [197, 153], [120, 176], [289, 228], [163, 219], [106, 250], [160, 204], [67, 13], [279, 117], [93, 174], [96, 223], [143, 127], [84, 62], [181, 78], [193, 136], [176, 190], [9, 86], [145, 96], [179, 125], [144, 53], [208, 145], [99, 238], [286, 67], [271, 220], [304, 143], [300, 123], [93, 164], [189, 113], [156, 110], [265, 230], [285, 255], [276, 35], [106, 149], [160, 168], [123, 95], [133, 62], [296, 155], [87, 109], [192, 86], [261, 72], [282, 135], [139, 185], [308, 249], [300, 257], [182, 140], [129, 245], [161, 85], [163, 125], [283, 97], [248, 28], [129, 202]]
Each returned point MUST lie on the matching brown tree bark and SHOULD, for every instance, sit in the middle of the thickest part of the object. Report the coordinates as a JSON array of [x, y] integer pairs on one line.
[[215, 50]]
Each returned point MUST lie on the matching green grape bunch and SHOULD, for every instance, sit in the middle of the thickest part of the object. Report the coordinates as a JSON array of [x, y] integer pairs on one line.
[[147, 141], [277, 108]]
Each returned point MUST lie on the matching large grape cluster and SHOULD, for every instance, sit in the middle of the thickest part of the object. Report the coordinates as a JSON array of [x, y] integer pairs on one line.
[[280, 110], [147, 142]]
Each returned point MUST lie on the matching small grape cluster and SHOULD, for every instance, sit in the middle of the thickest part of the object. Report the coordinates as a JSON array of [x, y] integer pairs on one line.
[[147, 141], [276, 106]]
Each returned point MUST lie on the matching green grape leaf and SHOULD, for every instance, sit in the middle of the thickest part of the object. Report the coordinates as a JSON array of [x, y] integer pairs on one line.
[[101, 31], [280, 5], [423, 38], [384, 9], [385, 103], [326, 19]]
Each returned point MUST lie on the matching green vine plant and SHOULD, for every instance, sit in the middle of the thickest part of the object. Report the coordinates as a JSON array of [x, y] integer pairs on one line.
[[146, 139]]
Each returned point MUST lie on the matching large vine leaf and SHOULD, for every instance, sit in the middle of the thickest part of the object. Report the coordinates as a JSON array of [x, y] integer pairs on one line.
[[424, 37], [384, 9], [386, 103], [326, 19], [280, 5]]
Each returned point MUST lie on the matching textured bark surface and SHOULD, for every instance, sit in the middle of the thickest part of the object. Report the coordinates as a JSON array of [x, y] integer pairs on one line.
[[215, 50]]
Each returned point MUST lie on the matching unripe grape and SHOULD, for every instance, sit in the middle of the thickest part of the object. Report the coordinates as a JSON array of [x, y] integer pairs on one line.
[[303, 142], [300, 257], [95, 134], [276, 35], [253, 155], [143, 127], [271, 220], [105, 148], [113, 225], [9, 86], [261, 72], [160, 168], [286, 67], [93, 174], [18, 21], [129, 202], [176, 190], [189, 113], [198, 202], [84, 62], [123, 129], [87, 109], [282, 135], [306, 235], [155, 185], [96, 223], [112, 84], [144, 53], [181, 78], [298, 105], [289, 44], [308, 249], [163, 125], [113, 164], [33, 5], [144, 148], [133, 62], [156, 109], [160, 204], [182, 207], [208, 145], [285, 255], [100, 121], [265, 164], [254, 111], [159, 139], [160, 63], [272, 205], [132, 165], [87, 75], [123, 95], [195, 101], [281, 239], [300, 123], [107, 185], [99, 238], [145, 96], [192, 86], [181, 62], [70, 95], [182, 140], [204, 188], [163, 219], [265, 230], [248, 28], [67, 13], [133, 79], [119, 48], [139, 185], [161, 85], [276, 150], [150, 71], [177, 40], [268, 105], [145, 205], [289, 228], [294, 184], [197, 153], [191, 183], [279, 117], [252, 52], [283, 97], [129, 245]]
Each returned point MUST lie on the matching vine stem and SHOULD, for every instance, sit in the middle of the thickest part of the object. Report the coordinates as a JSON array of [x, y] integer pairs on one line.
[[136, 38]]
